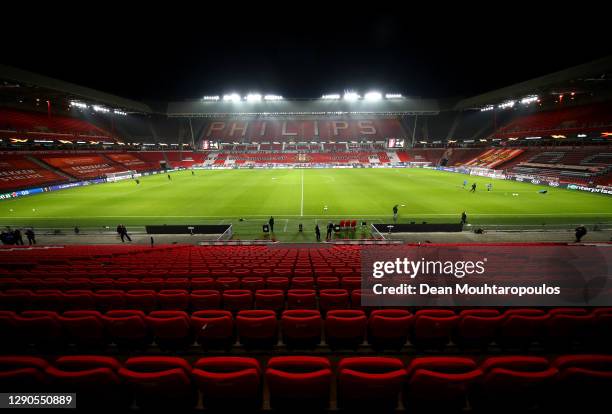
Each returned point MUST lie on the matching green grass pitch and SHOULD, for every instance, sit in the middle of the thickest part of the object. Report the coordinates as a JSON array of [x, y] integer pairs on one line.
[[296, 196]]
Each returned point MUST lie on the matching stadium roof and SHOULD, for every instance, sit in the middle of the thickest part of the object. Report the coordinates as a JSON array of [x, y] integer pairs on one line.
[[401, 106], [577, 77], [69, 90]]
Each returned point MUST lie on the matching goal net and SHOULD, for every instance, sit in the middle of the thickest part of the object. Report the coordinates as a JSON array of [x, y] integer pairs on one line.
[[123, 175]]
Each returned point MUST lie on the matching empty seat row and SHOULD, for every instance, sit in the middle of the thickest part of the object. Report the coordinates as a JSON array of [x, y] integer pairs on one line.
[[187, 283], [422, 384], [245, 268], [177, 329], [348, 328], [178, 299]]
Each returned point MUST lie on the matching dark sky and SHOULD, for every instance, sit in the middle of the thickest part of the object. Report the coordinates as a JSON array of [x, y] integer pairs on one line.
[[184, 53]]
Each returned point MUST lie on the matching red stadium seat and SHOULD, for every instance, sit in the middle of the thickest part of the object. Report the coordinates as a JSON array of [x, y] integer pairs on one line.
[[277, 282], [160, 382], [350, 283], [47, 299], [227, 283], [301, 328], [440, 384], [78, 283], [345, 328], [299, 381], [584, 382], [213, 328], [205, 299], [173, 299], [602, 327], [370, 382], [328, 282], [257, 328], [235, 300], [433, 328], [144, 300], [171, 329], [84, 328], [40, 328], [78, 300], [109, 299], [566, 328], [22, 373], [102, 283], [389, 328], [127, 328], [253, 283], [127, 283], [521, 327], [331, 299], [301, 299], [515, 383], [202, 283], [477, 328], [152, 283], [177, 283], [302, 282], [270, 299], [228, 382], [95, 380], [15, 299]]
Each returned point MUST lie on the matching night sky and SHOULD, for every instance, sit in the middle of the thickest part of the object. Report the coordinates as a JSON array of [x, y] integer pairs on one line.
[[186, 54]]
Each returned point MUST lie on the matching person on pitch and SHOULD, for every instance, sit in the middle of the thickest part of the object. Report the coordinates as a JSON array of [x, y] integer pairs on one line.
[[271, 223]]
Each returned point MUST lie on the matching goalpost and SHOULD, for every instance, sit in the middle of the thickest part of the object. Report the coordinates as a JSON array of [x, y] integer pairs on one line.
[[123, 175], [376, 234]]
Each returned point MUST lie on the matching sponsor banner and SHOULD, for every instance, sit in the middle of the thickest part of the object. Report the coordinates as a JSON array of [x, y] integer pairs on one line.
[[39, 190], [487, 275], [599, 190], [298, 129]]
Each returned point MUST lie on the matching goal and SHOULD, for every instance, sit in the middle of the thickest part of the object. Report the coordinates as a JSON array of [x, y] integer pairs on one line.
[[123, 175]]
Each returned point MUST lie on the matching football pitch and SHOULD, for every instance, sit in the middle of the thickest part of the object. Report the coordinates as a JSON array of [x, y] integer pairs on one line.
[[295, 196]]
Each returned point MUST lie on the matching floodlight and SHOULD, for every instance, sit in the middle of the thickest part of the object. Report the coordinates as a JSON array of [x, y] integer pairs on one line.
[[331, 96], [78, 104], [507, 104], [529, 99], [373, 96], [393, 96], [211, 98], [234, 97], [253, 97], [99, 108], [351, 96], [273, 98]]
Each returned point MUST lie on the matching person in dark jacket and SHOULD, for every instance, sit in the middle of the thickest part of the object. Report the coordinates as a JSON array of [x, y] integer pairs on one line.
[[31, 236], [463, 218], [18, 237], [581, 231], [330, 228], [271, 223], [318, 232]]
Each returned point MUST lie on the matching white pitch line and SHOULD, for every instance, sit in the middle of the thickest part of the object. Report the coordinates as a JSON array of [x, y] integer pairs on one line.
[[302, 202]]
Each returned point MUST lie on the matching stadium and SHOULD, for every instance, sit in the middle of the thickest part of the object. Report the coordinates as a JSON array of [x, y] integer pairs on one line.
[[230, 252]]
